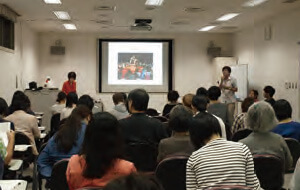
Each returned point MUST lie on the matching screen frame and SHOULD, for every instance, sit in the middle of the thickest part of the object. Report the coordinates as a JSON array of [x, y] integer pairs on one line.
[[170, 58]]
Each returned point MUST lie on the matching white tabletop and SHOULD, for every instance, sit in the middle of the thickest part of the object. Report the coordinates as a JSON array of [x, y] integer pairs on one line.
[[43, 135], [15, 164], [13, 184], [42, 128], [21, 147]]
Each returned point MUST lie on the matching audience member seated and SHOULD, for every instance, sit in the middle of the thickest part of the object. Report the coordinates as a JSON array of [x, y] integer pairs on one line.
[[72, 100], [216, 161], [140, 128], [239, 120], [6, 152], [261, 119], [254, 94], [172, 98], [24, 122], [87, 101], [269, 92], [134, 182], [17, 95], [202, 92], [199, 105], [215, 106], [187, 100], [287, 127], [119, 110], [152, 112], [179, 143], [295, 181], [60, 103], [3, 113], [100, 159], [66, 142]]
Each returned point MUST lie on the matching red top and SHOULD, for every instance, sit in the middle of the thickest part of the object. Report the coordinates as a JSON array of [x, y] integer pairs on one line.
[[77, 164], [68, 87]]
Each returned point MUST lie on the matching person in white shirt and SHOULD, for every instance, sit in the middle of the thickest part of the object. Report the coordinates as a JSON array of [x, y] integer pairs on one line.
[[71, 103], [199, 106], [60, 103], [119, 110], [228, 86]]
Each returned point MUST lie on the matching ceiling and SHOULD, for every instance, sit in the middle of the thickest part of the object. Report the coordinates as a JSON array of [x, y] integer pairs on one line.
[[170, 17]]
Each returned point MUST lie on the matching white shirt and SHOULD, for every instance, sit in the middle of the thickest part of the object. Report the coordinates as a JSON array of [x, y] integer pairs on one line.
[[228, 96]]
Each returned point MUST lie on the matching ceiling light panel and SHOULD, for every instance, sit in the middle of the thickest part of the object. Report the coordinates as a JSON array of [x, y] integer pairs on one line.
[[227, 16], [154, 2], [52, 1], [62, 15], [70, 26], [207, 28], [253, 3]]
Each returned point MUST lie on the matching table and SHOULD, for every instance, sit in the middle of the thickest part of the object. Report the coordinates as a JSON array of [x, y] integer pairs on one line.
[[13, 184]]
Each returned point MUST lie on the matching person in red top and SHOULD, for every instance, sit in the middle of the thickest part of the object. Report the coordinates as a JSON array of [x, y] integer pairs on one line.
[[100, 160], [70, 85]]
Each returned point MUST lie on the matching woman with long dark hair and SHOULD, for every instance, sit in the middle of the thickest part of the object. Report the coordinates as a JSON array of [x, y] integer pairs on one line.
[[66, 142], [100, 159], [72, 100]]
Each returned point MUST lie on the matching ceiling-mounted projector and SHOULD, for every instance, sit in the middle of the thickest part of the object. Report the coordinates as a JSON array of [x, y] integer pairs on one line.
[[142, 25]]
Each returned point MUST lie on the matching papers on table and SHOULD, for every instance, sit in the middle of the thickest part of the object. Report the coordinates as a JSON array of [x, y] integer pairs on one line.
[[21, 147], [13, 184], [4, 128], [15, 164], [42, 128], [43, 135]]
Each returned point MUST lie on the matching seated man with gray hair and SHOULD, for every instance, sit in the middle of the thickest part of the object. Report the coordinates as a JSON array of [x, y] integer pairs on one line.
[[261, 119]]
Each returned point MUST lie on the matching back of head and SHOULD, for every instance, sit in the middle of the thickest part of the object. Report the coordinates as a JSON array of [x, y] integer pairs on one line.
[[20, 102], [214, 93], [246, 104], [102, 145], [201, 92], [202, 127], [72, 75], [173, 96], [118, 97], [269, 90], [200, 103], [261, 117], [283, 109], [61, 96], [72, 98], [179, 118], [134, 182], [3, 107], [139, 99], [152, 112], [87, 101], [68, 133], [187, 100]]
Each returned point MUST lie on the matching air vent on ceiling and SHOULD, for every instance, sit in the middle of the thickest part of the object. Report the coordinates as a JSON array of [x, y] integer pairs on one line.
[[105, 22], [105, 8], [193, 9], [150, 8], [289, 1], [180, 22]]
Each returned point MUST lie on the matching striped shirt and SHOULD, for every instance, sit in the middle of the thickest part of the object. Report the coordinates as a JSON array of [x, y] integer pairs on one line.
[[221, 162], [238, 123]]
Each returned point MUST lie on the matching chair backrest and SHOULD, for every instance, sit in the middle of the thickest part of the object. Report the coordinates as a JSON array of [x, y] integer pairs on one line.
[[21, 138], [294, 147], [241, 134], [228, 187], [54, 124], [58, 176], [269, 170], [143, 155], [171, 172]]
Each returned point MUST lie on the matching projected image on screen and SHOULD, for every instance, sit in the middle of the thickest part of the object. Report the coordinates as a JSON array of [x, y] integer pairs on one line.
[[135, 66]]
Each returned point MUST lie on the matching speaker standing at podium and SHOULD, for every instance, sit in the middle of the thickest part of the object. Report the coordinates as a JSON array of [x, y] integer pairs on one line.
[[228, 86], [70, 85]]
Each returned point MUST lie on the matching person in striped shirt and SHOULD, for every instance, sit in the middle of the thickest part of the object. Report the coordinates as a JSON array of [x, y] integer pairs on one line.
[[217, 162]]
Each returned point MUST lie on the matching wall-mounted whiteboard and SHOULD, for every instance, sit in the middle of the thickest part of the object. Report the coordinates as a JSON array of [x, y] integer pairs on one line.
[[240, 72]]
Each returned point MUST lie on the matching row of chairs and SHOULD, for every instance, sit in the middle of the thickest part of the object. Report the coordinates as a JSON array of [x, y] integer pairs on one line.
[[171, 172]]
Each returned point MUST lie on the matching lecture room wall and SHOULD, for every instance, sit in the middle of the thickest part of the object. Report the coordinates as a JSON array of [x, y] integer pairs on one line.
[[20, 66], [272, 62], [192, 67]]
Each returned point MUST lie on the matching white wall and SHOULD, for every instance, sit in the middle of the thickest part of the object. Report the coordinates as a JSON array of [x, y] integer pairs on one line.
[[272, 62], [20, 66], [191, 67]]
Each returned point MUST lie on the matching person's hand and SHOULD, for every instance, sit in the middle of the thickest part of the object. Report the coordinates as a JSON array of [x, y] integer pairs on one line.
[[11, 135], [222, 78]]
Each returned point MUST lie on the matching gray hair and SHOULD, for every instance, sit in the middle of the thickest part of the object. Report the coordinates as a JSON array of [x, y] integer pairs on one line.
[[261, 117]]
